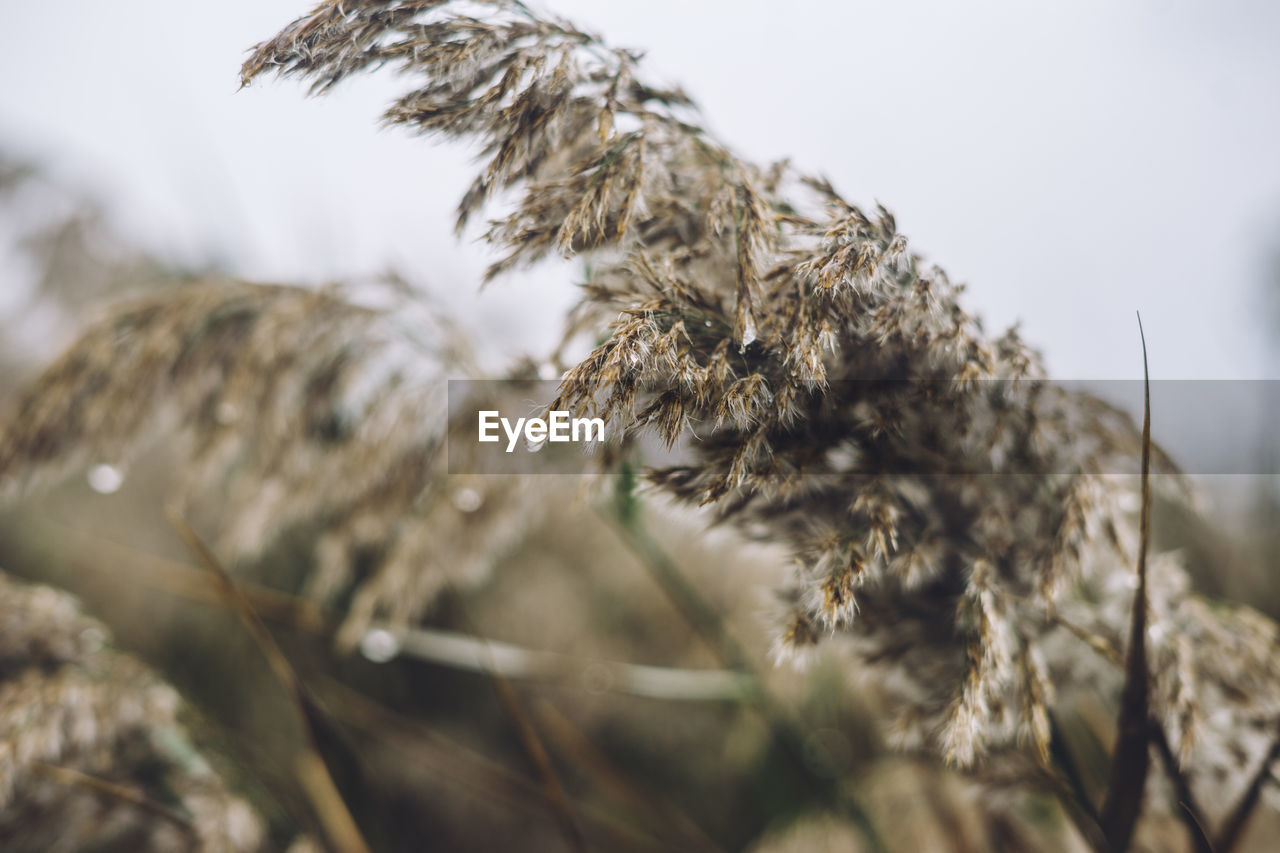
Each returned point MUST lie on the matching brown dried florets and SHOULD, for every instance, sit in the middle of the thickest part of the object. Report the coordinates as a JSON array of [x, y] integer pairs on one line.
[[947, 505], [942, 521], [299, 410], [91, 750]]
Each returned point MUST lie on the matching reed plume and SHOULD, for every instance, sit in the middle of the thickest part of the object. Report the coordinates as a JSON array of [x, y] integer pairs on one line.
[[299, 410], [740, 305], [92, 752], [950, 509]]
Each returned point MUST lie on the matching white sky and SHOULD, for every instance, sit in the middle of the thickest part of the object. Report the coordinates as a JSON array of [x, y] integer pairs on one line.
[[1070, 161]]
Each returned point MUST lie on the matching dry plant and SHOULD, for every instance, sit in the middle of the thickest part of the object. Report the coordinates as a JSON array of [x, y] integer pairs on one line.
[[959, 523], [63, 257], [92, 753], [742, 303], [301, 409]]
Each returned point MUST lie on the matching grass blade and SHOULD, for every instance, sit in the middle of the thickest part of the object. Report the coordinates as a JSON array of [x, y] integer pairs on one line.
[[1233, 827], [1131, 757], [335, 818]]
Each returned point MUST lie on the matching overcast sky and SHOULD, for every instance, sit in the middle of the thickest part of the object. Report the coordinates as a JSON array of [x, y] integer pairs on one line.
[[1070, 161]]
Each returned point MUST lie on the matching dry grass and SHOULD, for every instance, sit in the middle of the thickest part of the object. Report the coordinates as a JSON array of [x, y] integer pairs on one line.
[[91, 750], [955, 521]]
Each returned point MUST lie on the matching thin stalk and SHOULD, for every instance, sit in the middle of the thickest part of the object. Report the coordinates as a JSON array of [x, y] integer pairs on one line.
[[626, 521], [1131, 757]]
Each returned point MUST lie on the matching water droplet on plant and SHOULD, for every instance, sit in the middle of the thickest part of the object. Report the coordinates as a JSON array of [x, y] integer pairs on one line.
[[105, 479], [379, 645], [467, 500]]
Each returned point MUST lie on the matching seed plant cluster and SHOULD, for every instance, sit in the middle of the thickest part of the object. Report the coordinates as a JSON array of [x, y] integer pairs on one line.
[[957, 521], [72, 707]]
